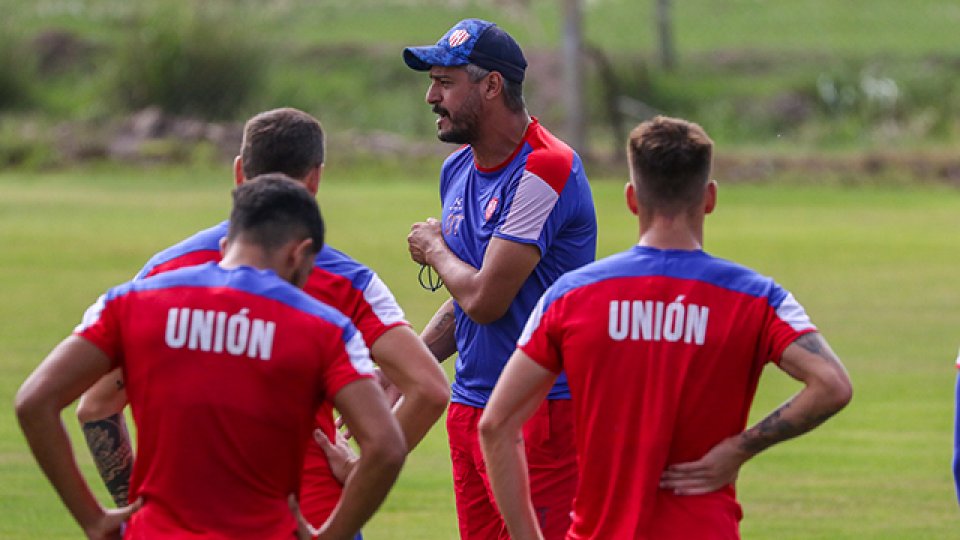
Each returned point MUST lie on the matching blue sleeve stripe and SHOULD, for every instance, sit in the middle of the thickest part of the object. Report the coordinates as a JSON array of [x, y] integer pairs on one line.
[[686, 265], [207, 239], [341, 264]]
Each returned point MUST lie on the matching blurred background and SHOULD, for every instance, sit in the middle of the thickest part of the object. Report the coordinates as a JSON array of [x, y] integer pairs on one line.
[[817, 87]]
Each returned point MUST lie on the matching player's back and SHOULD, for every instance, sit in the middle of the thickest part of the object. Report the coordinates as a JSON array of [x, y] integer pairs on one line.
[[663, 351], [337, 280], [224, 371]]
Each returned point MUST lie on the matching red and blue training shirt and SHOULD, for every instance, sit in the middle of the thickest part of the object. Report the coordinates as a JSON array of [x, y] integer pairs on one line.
[[337, 280], [538, 196], [225, 370], [663, 350]]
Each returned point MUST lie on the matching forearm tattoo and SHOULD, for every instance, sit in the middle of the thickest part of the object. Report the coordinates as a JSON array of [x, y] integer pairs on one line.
[[440, 340], [769, 431], [110, 447], [774, 428]]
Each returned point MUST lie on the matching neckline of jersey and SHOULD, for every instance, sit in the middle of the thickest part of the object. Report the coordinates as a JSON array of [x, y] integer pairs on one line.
[[523, 141]]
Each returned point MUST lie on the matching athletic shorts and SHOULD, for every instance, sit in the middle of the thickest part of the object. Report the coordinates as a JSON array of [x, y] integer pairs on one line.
[[713, 516], [551, 461]]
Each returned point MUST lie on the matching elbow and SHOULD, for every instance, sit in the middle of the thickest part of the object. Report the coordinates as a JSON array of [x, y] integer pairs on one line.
[[838, 392], [389, 453], [435, 398], [481, 310], [28, 408], [491, 427], [843, 394]]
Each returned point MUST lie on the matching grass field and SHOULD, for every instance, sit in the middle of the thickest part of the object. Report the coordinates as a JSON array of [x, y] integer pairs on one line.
[[876, 267]]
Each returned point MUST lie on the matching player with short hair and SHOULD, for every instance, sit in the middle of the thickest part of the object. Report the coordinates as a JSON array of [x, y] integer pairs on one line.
[[225, 366], [292, 141], [663, 346], [517, 213]]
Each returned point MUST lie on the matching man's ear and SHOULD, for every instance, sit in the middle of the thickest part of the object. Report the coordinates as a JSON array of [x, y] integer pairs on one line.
[[630, 194], [238, 170], [299, 262], [710, 197], [493, 86], [312, 180], [299, 252], [223, 247]]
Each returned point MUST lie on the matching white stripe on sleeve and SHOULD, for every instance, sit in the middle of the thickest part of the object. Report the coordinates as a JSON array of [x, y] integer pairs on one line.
[[382, 301], [532, 204], [532, 323], [92, 314], [792, 313], [359, 355]]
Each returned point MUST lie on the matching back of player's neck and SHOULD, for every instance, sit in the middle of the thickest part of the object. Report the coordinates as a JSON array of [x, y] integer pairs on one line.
[[671, 233]]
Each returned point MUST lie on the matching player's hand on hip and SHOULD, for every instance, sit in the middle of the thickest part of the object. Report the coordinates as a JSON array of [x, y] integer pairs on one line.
[[340, 455], [714, 470], [110, 525]]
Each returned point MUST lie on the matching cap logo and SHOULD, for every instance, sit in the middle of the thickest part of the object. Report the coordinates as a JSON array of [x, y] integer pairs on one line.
[[458, 38]]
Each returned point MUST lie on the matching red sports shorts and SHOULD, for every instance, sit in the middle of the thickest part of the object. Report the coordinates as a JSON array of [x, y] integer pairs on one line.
[[551, 461]]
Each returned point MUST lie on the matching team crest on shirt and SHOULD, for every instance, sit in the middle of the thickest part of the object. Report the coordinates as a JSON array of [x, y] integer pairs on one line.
[[458, 38], [491, 208]]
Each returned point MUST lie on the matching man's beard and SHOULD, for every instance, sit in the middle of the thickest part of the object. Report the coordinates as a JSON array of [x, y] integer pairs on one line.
[[465, 125]]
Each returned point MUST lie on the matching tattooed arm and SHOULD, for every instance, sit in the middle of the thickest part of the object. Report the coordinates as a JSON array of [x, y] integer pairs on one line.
[[110, 447], [100, 411], [438, 335], [826, 390]]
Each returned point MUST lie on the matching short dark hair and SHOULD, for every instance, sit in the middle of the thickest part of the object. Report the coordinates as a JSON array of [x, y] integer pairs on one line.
[[670, 162], [286, 140], [512, 90], [273, 209]]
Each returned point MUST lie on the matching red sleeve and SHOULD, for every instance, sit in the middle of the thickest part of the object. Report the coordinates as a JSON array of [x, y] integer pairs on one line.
[[101, 326], [349, 361], [541, 337], [784, 324]]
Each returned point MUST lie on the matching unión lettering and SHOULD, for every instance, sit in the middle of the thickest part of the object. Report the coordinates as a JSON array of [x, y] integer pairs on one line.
[[649, 320], [219, 331]]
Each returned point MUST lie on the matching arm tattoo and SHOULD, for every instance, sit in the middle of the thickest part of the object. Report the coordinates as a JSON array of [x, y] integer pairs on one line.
[[110, 447], [814, 343], [775, 428], [445, 320], [769, 431], [811, 342]]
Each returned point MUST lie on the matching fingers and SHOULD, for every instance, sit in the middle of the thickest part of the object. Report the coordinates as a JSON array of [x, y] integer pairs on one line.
[[692, 478], [339, 423], [325, 444], [131, 509]]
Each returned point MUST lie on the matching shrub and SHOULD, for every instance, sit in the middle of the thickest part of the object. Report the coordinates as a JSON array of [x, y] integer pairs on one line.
[[16, 74], [189, 63]]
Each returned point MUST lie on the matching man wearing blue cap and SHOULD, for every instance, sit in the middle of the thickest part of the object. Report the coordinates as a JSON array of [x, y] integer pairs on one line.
[[517, 213]]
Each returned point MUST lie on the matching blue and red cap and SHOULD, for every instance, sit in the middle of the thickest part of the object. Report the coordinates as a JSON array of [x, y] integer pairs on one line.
[[472, 41]]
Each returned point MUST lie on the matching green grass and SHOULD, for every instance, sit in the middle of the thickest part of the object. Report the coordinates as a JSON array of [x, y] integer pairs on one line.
[[875, 266]]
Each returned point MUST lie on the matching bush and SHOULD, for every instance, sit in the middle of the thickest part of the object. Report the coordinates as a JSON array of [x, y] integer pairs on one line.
[[16, 74], [187, 63]]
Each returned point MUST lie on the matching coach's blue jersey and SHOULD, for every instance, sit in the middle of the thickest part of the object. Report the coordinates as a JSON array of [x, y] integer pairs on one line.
[[539, 196]]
